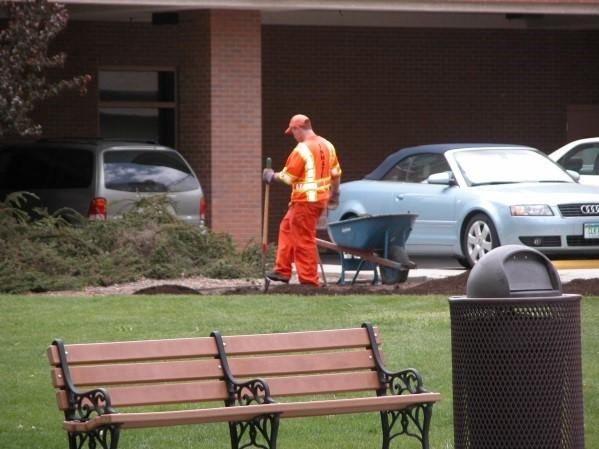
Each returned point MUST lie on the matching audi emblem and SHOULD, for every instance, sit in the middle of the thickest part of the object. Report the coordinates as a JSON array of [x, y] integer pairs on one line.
[[589, 209]]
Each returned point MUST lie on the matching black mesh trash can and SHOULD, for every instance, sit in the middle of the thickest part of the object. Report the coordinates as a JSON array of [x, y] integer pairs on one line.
[[516, 358]]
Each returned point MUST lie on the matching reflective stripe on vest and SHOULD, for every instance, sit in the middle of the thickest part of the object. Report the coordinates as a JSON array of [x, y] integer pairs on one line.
[[320, 185], [309, 173]]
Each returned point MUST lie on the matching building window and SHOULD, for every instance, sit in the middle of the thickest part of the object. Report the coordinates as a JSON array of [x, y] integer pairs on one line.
[[138, 104]]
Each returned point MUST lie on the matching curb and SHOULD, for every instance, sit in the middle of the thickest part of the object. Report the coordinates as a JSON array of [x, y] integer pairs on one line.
[[575, 264]]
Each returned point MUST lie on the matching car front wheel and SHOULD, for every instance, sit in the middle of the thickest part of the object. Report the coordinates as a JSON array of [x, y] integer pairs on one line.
[[480, 237]]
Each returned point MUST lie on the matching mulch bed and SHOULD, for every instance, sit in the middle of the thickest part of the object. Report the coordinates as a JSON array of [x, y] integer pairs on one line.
[[167, 289], [454, 285], [449, 286], [584, 287]]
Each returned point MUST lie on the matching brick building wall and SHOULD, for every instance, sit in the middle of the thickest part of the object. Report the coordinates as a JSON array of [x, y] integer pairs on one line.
[[89, 46], [374, 90], [236, 130], [193, 96]]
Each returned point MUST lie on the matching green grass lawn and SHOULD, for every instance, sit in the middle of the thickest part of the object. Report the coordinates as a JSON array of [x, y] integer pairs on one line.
[[415, 332]]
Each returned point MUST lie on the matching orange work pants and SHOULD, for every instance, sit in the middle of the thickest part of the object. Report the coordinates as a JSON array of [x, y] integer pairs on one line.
[[297, 242]]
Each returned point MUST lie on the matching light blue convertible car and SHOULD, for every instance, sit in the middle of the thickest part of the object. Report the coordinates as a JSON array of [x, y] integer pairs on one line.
[[471, 198]]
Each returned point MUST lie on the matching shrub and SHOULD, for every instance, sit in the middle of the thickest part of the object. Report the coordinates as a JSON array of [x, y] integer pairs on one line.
[[64, 250]]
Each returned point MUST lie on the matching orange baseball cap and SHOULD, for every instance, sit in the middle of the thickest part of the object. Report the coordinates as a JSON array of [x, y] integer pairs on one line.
[[298, 121]]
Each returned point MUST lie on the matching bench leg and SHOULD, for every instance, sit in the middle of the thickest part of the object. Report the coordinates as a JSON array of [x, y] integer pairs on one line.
[[414, 421], [103, 437], [261, 432]]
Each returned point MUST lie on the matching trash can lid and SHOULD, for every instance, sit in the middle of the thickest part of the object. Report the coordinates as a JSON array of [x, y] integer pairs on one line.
[[513, 271]]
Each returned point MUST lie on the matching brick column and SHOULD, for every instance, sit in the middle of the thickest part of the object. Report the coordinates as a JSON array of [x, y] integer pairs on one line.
[[236, 123], [193, 96]]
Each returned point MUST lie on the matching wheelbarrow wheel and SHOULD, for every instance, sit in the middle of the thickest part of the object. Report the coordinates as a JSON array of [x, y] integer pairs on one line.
[[391, 276]]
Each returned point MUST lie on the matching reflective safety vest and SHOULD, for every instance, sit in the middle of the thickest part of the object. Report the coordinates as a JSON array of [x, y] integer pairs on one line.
[[309, 169]]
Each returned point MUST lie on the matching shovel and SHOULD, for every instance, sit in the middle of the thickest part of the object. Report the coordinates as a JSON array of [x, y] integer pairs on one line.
[[265, 229]]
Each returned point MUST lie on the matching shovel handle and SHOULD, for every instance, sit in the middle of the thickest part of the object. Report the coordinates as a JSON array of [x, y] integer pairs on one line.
[[265, 216]]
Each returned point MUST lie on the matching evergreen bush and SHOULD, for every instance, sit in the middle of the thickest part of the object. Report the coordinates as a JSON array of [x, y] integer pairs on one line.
[[40, 251]]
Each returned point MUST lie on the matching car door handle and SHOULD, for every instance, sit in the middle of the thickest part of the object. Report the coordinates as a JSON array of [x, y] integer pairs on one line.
[[398, 198]]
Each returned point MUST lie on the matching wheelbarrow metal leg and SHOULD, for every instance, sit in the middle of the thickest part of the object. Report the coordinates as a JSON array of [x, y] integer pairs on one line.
[[357, 272]]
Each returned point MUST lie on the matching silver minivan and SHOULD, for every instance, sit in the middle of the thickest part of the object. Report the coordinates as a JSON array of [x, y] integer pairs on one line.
[[101, 178]]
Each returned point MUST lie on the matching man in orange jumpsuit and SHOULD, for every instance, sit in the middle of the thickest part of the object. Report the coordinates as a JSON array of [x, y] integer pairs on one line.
[[313, 172]]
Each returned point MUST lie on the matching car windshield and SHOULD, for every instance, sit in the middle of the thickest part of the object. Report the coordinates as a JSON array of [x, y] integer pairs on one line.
[[147, 171], [507, 166]]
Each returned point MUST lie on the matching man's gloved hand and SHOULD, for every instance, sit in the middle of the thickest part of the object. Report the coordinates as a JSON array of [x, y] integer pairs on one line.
[[268, 175]]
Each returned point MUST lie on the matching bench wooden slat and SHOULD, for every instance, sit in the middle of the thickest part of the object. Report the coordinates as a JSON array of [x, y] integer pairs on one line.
[[301, 363], [296, 341], [159, 394], [176, 348], [322, 383], [105, 375], [223, 414]]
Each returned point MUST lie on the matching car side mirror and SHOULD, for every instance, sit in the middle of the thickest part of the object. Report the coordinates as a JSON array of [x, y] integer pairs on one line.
[[443, 178], [574, 174]]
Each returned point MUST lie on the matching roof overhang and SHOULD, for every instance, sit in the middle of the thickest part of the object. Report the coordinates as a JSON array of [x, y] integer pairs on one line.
[[468, 6], [499, 14]]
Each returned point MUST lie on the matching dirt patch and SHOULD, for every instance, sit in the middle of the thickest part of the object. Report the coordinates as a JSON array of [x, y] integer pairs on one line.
[[454, 285], [196, 285], [167, 289], [584, 287], [448, 286]]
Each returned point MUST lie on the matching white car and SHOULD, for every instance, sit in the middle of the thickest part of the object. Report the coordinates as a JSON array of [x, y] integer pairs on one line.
[[581, 156]]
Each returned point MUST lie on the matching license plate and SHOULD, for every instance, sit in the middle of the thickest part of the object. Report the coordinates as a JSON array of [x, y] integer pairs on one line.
[[591, 230]]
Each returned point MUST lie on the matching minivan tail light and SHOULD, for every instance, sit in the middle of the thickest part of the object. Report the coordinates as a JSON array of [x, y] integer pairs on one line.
[[97, 209], [203, 208]]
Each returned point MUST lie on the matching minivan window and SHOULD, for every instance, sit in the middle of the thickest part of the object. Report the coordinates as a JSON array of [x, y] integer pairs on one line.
[[147, 171], [28, 168]]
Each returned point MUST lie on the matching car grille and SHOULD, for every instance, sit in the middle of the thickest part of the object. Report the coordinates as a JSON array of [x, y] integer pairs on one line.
[[576, 210], [546, 240], [579, 240]]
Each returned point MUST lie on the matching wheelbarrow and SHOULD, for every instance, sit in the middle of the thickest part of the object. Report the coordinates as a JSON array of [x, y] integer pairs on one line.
[[376, 240]]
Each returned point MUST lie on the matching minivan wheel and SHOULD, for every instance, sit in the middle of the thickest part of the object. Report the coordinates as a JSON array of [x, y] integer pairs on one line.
[[480, 237]]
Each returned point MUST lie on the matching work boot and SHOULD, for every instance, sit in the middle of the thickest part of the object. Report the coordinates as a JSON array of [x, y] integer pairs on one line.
[[274, 276]]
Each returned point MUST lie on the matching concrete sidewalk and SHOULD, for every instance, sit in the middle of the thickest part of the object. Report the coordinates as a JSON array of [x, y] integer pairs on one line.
[[567, 269]]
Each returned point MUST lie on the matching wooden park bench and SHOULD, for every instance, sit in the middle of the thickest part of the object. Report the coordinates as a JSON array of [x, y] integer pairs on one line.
[[248, 372]]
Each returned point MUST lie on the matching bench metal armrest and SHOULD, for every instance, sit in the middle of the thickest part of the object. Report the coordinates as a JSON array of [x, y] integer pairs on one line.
[[254, 391], [83, 405], [406, 381], [87, 404]]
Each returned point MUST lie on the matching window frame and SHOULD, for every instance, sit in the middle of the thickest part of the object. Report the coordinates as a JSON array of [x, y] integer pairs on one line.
[[125, 104], [576, 152], [410, 159]]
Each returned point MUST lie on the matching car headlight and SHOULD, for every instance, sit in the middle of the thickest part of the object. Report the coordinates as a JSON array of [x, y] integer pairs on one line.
[[531, 210]]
